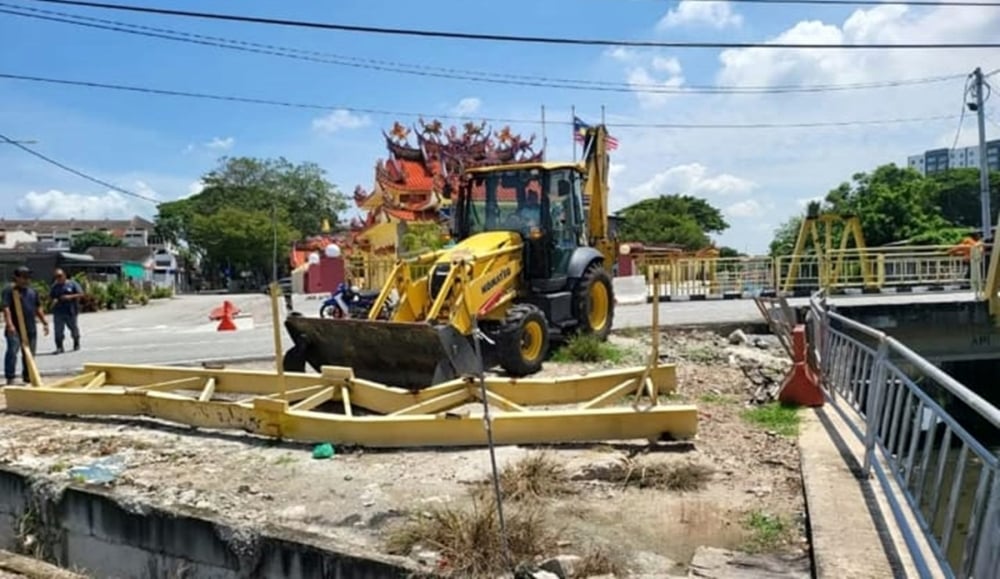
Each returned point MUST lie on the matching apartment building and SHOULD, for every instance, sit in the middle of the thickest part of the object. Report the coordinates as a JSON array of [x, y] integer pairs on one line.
[[937, 160]]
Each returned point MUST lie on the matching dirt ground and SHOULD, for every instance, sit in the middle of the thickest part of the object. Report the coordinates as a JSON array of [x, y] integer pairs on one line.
[[359, 495]]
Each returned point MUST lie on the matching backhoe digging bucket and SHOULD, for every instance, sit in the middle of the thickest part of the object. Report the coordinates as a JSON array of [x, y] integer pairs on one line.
[[401, 354]]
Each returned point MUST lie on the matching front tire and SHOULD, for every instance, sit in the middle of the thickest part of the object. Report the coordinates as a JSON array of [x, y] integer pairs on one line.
[[523, 340], [331, 311], [595, 302]]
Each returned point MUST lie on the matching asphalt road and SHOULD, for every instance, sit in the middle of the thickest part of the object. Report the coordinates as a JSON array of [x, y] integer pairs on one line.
[[165, 332], [179, 331]]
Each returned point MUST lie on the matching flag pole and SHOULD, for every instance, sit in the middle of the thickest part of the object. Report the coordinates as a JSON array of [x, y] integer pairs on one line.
[[545, 139], [573, 113], [602, 115]]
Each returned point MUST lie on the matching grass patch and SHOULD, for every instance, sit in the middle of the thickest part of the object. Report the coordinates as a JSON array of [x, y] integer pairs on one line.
[[535, 476], [58, 467], [467, 539], [285, 459], [588, 348], [776, 417], [713, 398], [767, 532], [686, 476]]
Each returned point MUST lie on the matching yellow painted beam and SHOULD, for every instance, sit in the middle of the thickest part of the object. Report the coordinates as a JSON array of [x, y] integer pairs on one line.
[[240, 381], [345, 396], [273, 418], [501, 402], [78, 380], [189, 382], [208, 391], [437, 404], [612, 395], [97, 381], [315, 400], [384, 399]]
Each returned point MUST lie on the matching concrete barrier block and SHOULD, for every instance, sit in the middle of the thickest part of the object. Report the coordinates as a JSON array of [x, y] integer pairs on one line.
[[630, 290]]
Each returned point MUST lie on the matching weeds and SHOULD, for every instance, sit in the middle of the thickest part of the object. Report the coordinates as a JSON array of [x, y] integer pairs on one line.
[[467, 540], [285, 459], [715, 398], [601, 560], [767, 532], [534, 476], [587, 348], [687, 476], [776, 417]]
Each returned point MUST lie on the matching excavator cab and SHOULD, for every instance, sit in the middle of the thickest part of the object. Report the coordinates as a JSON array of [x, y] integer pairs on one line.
[[542, 203]]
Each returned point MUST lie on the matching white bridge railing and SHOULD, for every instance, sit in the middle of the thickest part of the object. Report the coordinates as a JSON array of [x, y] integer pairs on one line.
[[894, 401]]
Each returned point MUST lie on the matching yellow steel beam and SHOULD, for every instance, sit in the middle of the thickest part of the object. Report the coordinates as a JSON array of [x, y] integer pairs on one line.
[[275, 418], [383, 399], [78, 380], [208, 391], [315, 400]]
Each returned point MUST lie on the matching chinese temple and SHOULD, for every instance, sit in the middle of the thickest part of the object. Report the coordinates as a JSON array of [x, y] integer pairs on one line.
[[414, 183]]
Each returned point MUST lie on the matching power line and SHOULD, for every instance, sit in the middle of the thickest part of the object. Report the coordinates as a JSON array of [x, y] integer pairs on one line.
[[382, 112], [457, 74], [52, 161], [961, 118], [501, 37]]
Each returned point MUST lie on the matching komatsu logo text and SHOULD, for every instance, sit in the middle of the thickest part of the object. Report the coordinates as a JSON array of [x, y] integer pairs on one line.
[[492, 283]]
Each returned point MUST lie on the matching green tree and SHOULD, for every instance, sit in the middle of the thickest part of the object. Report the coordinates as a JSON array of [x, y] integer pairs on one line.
[[240, 240], [785, 236], [298, 196], [674, 219], [958, 196], [84, 241]]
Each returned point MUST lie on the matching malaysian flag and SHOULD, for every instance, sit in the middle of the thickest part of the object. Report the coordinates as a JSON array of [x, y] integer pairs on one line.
[[580, 133]]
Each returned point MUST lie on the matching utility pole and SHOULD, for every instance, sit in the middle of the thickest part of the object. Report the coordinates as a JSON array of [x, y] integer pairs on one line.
[[984, 168]]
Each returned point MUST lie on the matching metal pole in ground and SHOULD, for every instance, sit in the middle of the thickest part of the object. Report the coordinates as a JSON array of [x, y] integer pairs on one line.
[[276, 327], [984, 167], [478, 336]]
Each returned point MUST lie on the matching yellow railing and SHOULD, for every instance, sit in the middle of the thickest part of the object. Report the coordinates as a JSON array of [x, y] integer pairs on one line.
[[370, 272], [852, 269]]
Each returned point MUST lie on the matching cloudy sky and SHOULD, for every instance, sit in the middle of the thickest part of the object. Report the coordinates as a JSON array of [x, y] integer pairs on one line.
[[158, 146]]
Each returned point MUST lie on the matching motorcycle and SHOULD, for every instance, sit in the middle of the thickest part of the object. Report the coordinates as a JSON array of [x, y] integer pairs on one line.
[[349, 302]]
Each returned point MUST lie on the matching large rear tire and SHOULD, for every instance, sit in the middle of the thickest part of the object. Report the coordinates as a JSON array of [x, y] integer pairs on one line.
[[595, 302], [523, 340]]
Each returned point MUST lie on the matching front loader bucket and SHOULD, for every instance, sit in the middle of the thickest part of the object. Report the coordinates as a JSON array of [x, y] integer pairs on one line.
[[402, 354]]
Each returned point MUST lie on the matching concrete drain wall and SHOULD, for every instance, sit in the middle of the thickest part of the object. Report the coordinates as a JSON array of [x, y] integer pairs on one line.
[[90, 531]]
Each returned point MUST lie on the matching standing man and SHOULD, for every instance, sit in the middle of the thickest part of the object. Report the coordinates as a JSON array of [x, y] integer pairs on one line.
[[31, 308], [65, 294]]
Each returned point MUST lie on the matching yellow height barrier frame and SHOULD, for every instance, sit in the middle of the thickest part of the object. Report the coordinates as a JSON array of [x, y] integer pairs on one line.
[[336, 407], [831, 261]]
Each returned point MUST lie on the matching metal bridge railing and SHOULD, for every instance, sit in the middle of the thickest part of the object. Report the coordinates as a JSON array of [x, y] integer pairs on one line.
[[950, 481], [883, 268]]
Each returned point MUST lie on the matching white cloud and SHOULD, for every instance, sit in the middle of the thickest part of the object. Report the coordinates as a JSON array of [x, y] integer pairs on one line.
[[785, 168], [744, 209], [340, 119], [195, 188], [54, 204], [691, 179], [142, 188], [217, 144], [614, 173], [717, 15], [466, 106]]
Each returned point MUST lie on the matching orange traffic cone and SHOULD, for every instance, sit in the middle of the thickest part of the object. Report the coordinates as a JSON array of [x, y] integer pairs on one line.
[[227, 325], [218, 312], [801, 385]]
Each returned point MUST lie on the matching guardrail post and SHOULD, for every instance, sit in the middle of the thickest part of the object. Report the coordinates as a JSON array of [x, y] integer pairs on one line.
[[987, 561], [873, 405]]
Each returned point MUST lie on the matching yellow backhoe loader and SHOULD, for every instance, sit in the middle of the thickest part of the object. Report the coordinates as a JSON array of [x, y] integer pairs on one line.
[[529, 265]]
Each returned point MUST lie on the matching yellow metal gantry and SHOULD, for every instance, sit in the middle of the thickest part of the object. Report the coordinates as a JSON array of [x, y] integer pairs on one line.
[[817, 227], [336, 407]]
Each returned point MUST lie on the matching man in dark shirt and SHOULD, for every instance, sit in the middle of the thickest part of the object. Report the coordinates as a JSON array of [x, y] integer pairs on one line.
[[65, 294], [31, 308]]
